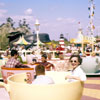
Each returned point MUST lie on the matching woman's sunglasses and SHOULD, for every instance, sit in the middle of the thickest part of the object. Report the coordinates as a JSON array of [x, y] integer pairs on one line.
[[73, 61]]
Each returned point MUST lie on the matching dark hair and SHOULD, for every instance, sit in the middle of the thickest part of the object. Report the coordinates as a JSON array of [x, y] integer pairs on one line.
[[40, 69], [45, 56], [34, 60], [79, 58], [14, 52]]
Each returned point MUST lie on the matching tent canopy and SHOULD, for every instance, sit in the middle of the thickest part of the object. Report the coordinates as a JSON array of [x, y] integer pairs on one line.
[[22, 41], [40, 43]]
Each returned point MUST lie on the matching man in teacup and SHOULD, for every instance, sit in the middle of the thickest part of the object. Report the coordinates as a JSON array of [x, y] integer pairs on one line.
[[41, 78], [13, 62]]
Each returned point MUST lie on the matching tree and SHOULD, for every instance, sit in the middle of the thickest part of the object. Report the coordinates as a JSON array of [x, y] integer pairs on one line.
[[8, 27], [10, 20], [24, 27], [97, 36]]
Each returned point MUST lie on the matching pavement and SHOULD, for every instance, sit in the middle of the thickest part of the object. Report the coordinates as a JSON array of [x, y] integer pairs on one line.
[[92, 89], [3, 94]]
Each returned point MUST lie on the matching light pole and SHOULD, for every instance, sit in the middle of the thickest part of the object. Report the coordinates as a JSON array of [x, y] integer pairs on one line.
[[37, 32]]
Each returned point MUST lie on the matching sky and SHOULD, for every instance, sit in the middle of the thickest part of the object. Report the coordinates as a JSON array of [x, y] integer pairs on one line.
[[55, 16]]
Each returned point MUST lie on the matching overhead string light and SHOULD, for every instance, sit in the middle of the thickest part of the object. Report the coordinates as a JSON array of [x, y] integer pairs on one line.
[[91, 9]]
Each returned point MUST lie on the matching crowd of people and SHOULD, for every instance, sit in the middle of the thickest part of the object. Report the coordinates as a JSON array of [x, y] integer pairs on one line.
[[40, 67], [76, 64]]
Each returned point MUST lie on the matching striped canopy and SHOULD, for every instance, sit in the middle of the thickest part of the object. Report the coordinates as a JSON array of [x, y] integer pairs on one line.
[[22, 41]]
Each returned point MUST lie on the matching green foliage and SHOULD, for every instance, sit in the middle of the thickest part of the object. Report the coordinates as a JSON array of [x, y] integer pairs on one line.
[[10, 20], [55, 42], [67, 43], [7, 28], [4, 42], [97, 36]]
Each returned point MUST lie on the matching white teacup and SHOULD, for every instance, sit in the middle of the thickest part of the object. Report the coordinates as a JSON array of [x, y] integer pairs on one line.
[[18, 89]]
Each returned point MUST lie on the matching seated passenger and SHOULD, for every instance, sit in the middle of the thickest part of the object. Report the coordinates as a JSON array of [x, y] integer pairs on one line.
[[1, 56], [76, 72], [13, 62], [33, 62], [48, 66], [41, 78]]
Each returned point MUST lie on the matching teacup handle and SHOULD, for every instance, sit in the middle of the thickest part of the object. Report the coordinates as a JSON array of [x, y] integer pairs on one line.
[[6, 86]]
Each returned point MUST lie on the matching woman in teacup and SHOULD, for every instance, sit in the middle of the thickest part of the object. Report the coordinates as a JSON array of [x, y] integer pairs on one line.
[[76, 72]]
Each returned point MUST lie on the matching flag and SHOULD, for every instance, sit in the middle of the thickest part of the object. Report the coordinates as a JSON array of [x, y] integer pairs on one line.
[[78, 22], [88, 8], [89, 16], [93, 27], [93, 6], [93, 13]]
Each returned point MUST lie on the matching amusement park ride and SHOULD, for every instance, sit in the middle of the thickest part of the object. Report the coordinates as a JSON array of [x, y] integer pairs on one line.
[[89, 38]]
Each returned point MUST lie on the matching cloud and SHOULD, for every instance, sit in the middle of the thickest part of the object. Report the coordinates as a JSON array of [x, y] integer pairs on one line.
[[29, 19], [2, 13], [70, 20], [59, 19], [66, 20], [20, 17], [28, 11], [2, 4], [45, 24], [53, 8], [98, 26], [97, 29]]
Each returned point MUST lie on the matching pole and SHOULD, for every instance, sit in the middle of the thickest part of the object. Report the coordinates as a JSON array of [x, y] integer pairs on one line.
[[91, 16], [37, 32], [37, 39]]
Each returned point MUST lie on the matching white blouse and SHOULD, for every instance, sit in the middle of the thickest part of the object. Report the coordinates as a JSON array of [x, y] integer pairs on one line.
[[78, 72]]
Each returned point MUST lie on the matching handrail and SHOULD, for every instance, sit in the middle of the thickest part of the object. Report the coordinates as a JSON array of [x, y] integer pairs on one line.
[[16, 68]]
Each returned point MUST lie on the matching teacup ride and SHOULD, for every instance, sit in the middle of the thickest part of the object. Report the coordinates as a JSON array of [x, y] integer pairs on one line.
[[2, 62], [19, 89], [91, 66], [6, 72]]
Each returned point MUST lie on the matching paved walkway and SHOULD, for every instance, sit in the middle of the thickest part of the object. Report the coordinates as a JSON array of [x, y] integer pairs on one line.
[[3, 94], [92, 89]]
